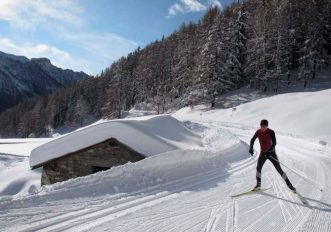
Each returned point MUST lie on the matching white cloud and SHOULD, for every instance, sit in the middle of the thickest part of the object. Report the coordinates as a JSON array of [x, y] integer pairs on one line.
[[100, 51], [39, 50], [64, 20], [187, 6], [174, 9], [57, 56], [193, 5], [215, 3], [103, 47], [30, 14]]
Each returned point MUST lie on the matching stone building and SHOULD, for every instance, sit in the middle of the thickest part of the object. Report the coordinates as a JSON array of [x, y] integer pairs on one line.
[[108, 144], [87, 161]]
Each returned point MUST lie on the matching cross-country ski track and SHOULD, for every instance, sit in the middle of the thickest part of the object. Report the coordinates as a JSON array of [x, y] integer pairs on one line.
[[198, 202]]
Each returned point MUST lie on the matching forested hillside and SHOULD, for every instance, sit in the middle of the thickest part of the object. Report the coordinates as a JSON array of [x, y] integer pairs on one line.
[[266, 44]]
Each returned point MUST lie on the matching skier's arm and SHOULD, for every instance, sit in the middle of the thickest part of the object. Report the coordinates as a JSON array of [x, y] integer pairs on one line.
[[251, 151], [252, 141], [273, 139]]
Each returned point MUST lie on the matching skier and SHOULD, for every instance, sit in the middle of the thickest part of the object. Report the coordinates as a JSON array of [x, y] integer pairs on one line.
[[267, 139]]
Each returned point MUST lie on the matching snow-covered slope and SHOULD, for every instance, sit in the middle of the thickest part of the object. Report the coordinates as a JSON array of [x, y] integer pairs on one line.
[[303, 114], [22, 78], [189, 189]]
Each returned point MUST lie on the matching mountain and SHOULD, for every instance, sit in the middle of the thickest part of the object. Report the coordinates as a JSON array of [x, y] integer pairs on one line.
[[22, 78]]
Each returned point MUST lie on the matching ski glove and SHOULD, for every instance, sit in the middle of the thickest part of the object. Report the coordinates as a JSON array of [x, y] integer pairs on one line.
[[251, 151]]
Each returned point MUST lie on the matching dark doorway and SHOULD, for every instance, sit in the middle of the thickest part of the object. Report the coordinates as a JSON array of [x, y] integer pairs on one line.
[[99, 169]]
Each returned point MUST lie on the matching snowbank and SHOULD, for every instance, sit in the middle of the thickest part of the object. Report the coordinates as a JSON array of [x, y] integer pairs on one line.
[[149, 137], [16, 178]]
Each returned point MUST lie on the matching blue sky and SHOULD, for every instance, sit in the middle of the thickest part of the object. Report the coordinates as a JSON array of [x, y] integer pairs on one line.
[[88, 35]]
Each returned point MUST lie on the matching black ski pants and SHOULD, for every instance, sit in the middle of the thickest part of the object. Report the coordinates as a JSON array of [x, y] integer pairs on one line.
[[274, 160]]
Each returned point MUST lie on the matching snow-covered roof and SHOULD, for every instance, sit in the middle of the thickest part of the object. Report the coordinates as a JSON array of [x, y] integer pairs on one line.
[[148, 136]]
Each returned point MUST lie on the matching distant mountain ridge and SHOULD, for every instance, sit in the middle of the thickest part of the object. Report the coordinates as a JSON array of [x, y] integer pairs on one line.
[[22, 78]]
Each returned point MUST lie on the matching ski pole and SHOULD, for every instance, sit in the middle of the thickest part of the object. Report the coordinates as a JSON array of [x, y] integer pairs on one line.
[[305, 178]]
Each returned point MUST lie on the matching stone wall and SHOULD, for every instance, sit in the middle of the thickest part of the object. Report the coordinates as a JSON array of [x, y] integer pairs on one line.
[[98, 157]]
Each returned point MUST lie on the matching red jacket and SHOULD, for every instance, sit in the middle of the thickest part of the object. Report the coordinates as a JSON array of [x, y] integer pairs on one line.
[[266, 138]]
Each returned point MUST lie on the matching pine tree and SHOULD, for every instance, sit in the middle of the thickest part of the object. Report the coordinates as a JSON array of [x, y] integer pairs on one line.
[[81, 111], [238, 35], [314, 50], [261, 47], [208, 81]]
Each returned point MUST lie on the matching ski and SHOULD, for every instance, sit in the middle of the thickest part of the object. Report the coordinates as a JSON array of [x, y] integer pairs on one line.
[[250, 192], [302, 199]]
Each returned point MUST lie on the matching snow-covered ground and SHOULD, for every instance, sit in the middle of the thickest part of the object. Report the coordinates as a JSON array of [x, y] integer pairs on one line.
[[189, 189]]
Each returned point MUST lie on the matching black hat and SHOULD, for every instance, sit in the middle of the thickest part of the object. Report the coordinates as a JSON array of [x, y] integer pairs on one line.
[[264, 122]]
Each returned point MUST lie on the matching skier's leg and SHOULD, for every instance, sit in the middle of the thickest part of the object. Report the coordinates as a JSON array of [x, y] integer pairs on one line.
[[259, 166], [274, 160]]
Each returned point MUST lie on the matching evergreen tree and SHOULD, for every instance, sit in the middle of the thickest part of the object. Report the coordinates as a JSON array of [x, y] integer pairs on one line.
[[315, 47]]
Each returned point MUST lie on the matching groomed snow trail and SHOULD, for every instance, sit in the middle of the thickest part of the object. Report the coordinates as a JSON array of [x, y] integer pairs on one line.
[[199, 202]]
